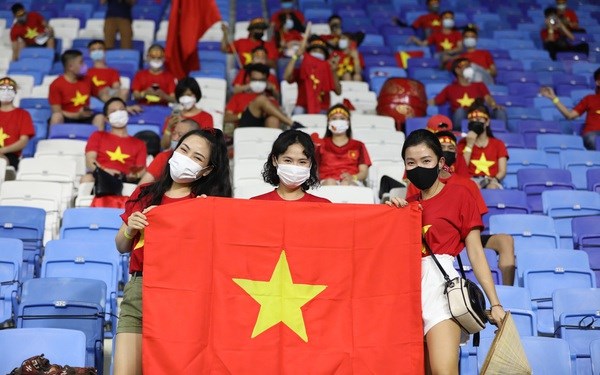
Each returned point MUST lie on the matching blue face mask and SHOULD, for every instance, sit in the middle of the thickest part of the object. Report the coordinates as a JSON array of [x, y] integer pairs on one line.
[[97, 54]]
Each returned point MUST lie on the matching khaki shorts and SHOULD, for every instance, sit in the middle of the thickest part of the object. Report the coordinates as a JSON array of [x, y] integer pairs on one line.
[[130, 315]]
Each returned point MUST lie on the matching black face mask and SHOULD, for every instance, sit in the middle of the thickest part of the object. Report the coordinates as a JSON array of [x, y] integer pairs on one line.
[[422, 178], [258, 35], [450, 157], [477, 126]]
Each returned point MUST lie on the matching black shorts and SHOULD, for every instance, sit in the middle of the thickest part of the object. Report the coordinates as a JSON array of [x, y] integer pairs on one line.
[[485, 238], [13, 160], [248, 120], [87, 120]]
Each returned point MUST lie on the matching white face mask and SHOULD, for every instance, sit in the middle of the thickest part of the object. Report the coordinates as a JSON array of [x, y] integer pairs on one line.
[[289, 24], [339, 126], [561, 6], [118, 119], [470, 42], [187, 101], [448, 23], [343, 43], [292, 175], [183, 169], [156, 64], [258, 86], [468, 73], [318, 55], [7, 96]]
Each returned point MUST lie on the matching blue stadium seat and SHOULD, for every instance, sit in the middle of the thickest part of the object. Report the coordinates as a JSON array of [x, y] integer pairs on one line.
[[376, 83], [133, 129], [554, 144], [528, 231], [514, 101], [71, 131], [37, 53], [502, 202], [519, 159], [429, 74], [11, 258], [119, 55], [534, 181], [151, 115], [578, 162], [570, 79], [530, 128], [547, 66], [511, 140], [526, 89], [593, 179], [414, 123], [595, 356], [380, 60], [90, 223], [372, 39], [517, 76], [524, 312], [423, 62], [386, 71], [492, 259], [498, 126], [567, 89], [36, 103]]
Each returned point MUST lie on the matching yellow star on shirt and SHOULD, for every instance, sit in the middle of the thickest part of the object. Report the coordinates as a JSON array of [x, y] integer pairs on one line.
[[465, 101], [436, 23], [3, 137], [280, 299], [31, 33], [117, 155], [446, 44], [98, 82], [79, 99], [483, 165], [247, 58], [424, 230]]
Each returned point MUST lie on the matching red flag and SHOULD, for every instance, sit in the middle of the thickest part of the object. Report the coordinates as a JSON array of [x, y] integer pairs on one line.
[[402, 57], [189, 20], [317, 82], [260, 287]]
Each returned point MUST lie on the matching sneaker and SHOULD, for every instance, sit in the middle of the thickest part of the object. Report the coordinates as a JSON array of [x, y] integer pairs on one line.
[[11, 174]]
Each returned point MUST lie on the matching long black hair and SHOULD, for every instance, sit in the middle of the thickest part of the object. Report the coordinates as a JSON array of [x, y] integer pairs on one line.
[[423, 136], [217, 183]]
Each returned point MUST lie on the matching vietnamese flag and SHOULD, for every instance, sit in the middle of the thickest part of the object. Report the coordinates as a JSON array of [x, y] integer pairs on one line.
[[188, 21], [262, 287], [402, 57]]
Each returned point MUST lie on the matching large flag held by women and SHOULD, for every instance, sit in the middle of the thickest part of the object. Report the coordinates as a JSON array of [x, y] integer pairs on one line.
[[260, 287], [188, 21]]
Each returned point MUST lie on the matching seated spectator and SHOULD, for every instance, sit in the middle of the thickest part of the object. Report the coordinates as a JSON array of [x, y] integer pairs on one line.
[[316, 77], [485, 156], [427, 23], [288, 30], [30, 29], [481, 60], [241, 83], [155, 85], [350, 61], [290, 12], [292, 168], [69, 94], [106, 81], [557, 37], [462, 93], [567, 16], [16, 126], [243, 47], [447, 41], [590, 105], [155, 169], [441, 123], [255, 108], [188, 95], [342, 160], [115, 151]]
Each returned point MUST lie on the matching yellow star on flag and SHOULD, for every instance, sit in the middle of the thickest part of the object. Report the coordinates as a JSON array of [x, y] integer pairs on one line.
[[280, 299], [436, 23], [446, 45], [424, 230], [79, 99], [465, 101], [97, 82], [3, 137], [247, 56], [141, 241], [31, 33], [404, 56], [117, 155], [483, 165]]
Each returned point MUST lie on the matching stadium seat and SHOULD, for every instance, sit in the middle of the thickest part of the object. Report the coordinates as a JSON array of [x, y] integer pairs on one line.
[[492, 259], [414, 123], [531, 127], [345, 194], [578, 162], [313, 121], [554, 144], [373, 122], [533, 181], [511, 140], [528, 231], [71, 131], [520, 159], [501, 202], [251, 190], [382, 146], [90, 223], [595, 356], [11, 259], [593, 179]]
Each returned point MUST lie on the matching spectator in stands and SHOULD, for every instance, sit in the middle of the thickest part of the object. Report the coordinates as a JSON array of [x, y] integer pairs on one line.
[[462, 93], [447, 41], [288, 28], [481, 60], [450, 221], [350, 61], [30, 29], [243, 47], [188, 95], [557, 37], [16, 126], [316, 77], [106, 81], [241, 83], [69, 94], [115, 151], [567, 16], [430, 22], [292, 168], [342, 160], [155, 85], [255, 108], [159, 162], [198, 167], [485, 156], [118, 19], [288, 11], [590, 104]]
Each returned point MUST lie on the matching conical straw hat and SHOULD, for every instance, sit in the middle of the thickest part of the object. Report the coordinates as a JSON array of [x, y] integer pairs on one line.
[[506, 355]]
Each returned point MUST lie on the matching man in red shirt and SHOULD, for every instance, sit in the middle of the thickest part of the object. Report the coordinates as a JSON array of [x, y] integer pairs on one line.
[[447, 41], [30, 29], [16, 126], [462, 93], [430, 22], [481, 60], [590, 104], [288, 11], [105, 80], [155, 85], [241, 83], [243, 47], [567, 16], [557, 37]]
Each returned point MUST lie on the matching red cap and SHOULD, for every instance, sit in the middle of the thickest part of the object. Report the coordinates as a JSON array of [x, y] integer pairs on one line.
[[439, 122]]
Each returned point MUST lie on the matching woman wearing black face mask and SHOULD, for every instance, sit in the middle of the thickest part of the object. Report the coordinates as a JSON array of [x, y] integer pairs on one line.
[[450, 221]]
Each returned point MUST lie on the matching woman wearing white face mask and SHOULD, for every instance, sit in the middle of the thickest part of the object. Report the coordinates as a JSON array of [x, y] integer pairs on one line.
[[155, 85], [350, 64], [188, 95], [115, 151], [199, 167], [481, 59], [447, 41], [292, 168], [342, 160]]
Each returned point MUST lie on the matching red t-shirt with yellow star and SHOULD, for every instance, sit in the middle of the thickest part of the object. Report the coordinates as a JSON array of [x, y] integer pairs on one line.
[[136, 261], [101, 78], [444, 42], [144, 79], [274, 196], [70, 96], [315, 82], [245, 46], [431, 21], [335, 160], [121, 153], [461, 96], [28, 31], [480, 57], [238, 102], [484, 160], [591, 105], [13, 125], [448, 218]]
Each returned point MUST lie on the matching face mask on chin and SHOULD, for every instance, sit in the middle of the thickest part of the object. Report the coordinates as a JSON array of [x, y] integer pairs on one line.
[[423, 178]]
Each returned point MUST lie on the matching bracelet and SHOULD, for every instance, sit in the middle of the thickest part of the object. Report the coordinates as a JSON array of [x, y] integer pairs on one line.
[[127, 235], [499, 305], [556, 100], [294, 57], [355, 177], [467, 149]]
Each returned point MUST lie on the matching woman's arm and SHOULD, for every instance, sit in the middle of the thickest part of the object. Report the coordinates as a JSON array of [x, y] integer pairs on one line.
[[136, 222], [501, 169]]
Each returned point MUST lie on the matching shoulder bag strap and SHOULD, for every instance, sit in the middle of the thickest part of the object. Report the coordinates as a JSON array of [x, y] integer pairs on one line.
[[446, 277], [460, 265]]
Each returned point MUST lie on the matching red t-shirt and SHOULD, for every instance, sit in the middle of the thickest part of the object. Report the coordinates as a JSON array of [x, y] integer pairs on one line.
[[431, 21], [274, 196], [480, 57], [558, 34], [334, 160], [245, 46], [121, 153], [591, 105], [448, 218], [14, 124], [570, 15], [346, 62], [315, 82], [102, 77], [28, 31], [242, 78], [144, 79], [461, 96], [445, 42], [484, 160], [70, 96], [275, 17], [159, 163], [204, 119], [238, 102], [136, 261]]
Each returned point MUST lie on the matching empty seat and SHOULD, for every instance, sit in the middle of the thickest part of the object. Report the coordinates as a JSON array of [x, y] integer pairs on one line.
[[530, 128], [554, 144], [492, 259], [587, 238], [528, 231], [504, 202], [578, 162], [345, 194], [11, 258], [593, 179], [533, 181], [520, 159], [71, 131]]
